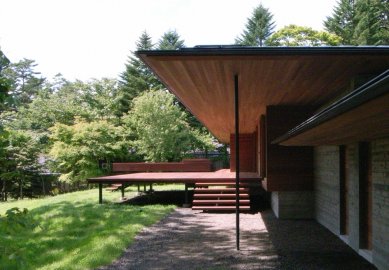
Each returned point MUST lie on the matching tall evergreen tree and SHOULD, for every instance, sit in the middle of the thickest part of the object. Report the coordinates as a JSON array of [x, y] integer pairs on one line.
[[360, 22], [258, 28], [4, 84], [137, 77], [170, 41], [343, 22], [25, 82], [372, 22]]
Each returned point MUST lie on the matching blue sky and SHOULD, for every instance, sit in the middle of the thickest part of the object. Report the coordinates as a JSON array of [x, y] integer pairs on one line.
[[85, 39]]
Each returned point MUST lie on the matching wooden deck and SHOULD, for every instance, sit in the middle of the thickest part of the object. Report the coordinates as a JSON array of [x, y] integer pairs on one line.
[[175, 177]]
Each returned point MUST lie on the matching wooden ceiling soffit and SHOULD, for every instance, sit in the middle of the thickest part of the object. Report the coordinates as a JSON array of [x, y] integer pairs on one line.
[[204, 82], [362, 115]]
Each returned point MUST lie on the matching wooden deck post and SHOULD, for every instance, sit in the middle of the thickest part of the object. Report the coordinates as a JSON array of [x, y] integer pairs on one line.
[[100, 193], [236, 94]]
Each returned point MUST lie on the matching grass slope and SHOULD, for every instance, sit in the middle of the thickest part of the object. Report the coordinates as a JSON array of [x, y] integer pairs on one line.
[[75, 232]]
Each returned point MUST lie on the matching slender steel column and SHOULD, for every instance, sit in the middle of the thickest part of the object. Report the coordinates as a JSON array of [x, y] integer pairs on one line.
[[237, 165]]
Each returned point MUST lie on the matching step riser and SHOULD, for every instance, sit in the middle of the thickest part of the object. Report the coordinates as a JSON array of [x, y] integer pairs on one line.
[[220, 208], [218, 196], [219, 190], [210, 197]]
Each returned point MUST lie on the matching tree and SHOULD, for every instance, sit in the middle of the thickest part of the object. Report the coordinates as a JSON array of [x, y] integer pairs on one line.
[[372, 22], [77, 149], [293, 35], [19, 159], [25, 83], [343, 21], [160, 128], [258, 28], [137, 77], [90, 101], [4, 83], [170, 41], [360, 22]]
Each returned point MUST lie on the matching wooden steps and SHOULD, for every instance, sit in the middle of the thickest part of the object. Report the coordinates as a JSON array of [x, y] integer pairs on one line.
[[220, 202], [220, 197], [221, 208]]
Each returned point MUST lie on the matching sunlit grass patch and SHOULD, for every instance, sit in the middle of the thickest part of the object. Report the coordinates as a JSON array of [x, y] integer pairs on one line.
[[75, 232]]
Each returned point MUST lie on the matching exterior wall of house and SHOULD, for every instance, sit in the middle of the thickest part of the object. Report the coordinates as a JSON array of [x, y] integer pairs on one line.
[[326, 186], [293, 204], [327, 197], [380, 159]]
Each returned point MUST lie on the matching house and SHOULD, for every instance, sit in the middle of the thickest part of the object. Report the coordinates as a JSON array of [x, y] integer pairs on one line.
[[314, 124]]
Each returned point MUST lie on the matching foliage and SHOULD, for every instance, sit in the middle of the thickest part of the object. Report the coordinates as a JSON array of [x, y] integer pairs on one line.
[[137, 77], [18, 159], [75, 232], [15, 222], [161, 128], [342, 22], [360, 22], [4, 83], [64, 102], [77, 149], [258, 28], [24, 82], [170, 41], [372, 22], [293, 35]]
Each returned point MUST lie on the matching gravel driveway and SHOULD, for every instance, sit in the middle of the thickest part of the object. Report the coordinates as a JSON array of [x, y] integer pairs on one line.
[[189, 239]]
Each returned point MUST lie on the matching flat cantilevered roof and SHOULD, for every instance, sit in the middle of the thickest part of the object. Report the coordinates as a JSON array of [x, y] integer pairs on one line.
[[203, 78]]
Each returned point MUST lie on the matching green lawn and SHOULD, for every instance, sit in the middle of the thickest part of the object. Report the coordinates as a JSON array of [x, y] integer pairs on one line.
[[75, 232]]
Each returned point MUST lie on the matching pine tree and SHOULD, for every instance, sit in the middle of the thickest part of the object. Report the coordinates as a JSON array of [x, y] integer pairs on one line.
[[137, 77], [25, 82], [170, 41], [372, 22], [258, 28], [360, 22], [4, 84], [343, 21]]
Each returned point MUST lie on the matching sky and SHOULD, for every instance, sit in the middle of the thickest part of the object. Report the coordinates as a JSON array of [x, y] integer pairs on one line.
[[85, 39]]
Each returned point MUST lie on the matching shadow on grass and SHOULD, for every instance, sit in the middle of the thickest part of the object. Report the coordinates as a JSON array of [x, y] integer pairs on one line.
[[162, 197], [76, 235]]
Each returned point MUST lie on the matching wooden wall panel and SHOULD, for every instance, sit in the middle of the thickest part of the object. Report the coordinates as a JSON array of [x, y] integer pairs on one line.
[[247, 152], [287, 168]]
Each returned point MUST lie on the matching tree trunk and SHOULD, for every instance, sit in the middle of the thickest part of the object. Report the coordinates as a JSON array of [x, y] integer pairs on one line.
[[3, 196], [43, 186], [21, 189]]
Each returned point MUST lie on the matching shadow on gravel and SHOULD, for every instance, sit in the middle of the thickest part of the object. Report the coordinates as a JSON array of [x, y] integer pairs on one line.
[[305, 244], [194, 240]]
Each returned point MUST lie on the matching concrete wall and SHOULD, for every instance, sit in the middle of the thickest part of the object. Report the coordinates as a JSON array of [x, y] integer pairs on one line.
[[380, 158], [327, 196], [326, 187], [293, 204]]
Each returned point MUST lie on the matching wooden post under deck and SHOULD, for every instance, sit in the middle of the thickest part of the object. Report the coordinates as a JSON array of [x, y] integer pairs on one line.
[[100, 193]]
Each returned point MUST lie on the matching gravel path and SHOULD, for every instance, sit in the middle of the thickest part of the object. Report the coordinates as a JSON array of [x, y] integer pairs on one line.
[[189, 239]]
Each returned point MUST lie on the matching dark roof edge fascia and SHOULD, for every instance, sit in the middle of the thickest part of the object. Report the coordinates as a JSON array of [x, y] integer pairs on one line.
[[222, 50], [370, 90]]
